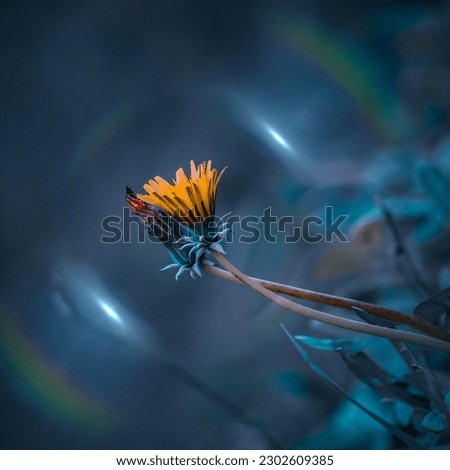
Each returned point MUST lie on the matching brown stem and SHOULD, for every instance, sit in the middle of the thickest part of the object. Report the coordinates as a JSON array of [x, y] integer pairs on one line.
[[362, 327], [340, 302]]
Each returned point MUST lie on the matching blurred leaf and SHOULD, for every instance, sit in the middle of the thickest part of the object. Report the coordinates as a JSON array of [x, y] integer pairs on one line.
[[430, 383], [388, 169], [404, 260], [403, 412], [390, 386], [424, 379], [420, 209], [434, 421], [343, 260], [292, 382], [421, 377], [408, 206], [350, 345], [435, 309], [395, 431], [429, 228], [443, 159], [447, 398], [444, 276], [433, 182]]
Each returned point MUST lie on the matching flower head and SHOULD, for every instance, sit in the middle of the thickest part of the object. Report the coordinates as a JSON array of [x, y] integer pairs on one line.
[[190, 199], [181, 215]]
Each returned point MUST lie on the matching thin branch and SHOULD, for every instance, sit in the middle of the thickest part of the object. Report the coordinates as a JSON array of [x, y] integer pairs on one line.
[[339, 302], [410, 268], [415, 338], [425, 378], [318, 370]]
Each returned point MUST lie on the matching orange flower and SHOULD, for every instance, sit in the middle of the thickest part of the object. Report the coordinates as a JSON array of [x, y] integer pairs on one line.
[[180, 215], [190, 199]]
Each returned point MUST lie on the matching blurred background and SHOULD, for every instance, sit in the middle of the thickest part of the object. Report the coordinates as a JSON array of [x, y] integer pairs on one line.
[[309, 104]]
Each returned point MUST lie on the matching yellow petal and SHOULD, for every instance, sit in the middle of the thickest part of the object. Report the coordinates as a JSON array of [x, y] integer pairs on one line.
[[189, 198]]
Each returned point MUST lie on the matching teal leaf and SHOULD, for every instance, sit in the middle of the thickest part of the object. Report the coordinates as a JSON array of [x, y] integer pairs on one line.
[[349, 345], [435, 309], [291, 382], [421, 209], [434, 421], [447, 398], [319, 371], [429, 228], [391, 386], [433, 183], [403, 412], [423, 378], [408, 207], [444, 276], [443, 159]]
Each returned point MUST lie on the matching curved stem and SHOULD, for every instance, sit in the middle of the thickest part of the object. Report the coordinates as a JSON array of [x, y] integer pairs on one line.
[[340, 302], [376, 330]]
